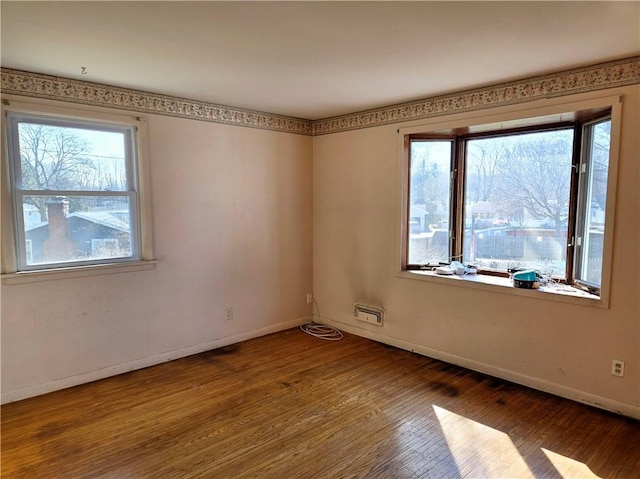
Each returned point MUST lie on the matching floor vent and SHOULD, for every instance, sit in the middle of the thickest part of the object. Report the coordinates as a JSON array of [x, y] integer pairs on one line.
[[368, 314]]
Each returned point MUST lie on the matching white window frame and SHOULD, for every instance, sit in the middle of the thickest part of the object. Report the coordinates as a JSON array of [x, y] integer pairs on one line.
[[14, 267], [495, 120]]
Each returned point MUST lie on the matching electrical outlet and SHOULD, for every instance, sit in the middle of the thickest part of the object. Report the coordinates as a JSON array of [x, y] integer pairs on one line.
[[229, 313], [617, 367], [309, 298]]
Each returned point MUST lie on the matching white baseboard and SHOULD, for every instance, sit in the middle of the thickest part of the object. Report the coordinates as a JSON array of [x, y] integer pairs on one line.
[[87, 377], [542, 385]]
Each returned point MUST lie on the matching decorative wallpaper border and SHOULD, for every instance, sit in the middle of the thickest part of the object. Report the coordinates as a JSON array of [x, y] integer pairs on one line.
[[75, 91], [591, 78], [596, 77]]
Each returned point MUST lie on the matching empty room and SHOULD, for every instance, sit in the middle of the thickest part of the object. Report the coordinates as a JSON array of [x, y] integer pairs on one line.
[[320, 239]]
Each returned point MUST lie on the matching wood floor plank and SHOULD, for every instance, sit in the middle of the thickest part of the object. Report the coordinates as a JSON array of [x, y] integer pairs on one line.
[[290, 406]]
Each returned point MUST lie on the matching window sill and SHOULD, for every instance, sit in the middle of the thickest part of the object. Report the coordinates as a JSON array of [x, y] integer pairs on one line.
[[75, 272], [496, 284]]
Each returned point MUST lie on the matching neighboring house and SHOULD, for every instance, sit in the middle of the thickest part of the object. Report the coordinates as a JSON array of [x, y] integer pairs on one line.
[[418, 219], [93, 234], [31, 215]]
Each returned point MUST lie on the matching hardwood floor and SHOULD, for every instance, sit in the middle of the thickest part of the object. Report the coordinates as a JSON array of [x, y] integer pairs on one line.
[[292, 406]]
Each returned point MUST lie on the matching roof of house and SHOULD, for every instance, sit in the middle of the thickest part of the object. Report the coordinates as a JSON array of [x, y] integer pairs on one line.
[[115, 219]]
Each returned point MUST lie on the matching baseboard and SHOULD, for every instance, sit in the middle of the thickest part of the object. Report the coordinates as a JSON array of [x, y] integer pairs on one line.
[[535, 383], [38, 389]]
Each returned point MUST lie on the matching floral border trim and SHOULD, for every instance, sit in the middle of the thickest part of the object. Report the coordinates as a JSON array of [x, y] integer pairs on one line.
[[596, 77], [64, 89]]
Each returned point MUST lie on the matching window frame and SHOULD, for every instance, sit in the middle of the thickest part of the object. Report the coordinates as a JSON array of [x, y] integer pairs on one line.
[[458, 184], [584, 170], [137, 190], [575, 113]]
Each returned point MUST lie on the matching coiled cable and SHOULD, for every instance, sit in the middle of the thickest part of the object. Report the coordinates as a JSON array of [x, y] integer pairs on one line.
[[322, 331]]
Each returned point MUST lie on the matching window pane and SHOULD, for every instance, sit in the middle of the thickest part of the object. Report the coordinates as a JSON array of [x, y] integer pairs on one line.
[[594, 202], [517, 201], [75, 228], [429, 197], [55, 157]]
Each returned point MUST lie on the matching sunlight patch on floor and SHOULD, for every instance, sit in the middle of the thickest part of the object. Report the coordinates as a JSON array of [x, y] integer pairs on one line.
[[569, 468], [479, 450]]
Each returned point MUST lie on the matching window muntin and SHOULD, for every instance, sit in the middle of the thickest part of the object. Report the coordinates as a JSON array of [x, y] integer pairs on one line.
[[73, 181], [562, 156]]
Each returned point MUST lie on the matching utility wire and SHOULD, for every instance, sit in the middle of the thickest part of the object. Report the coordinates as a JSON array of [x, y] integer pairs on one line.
[[322, 331], [319, 330]]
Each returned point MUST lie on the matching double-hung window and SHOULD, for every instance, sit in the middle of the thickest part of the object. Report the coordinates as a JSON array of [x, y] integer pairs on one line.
[[75, 191], [526, 194]]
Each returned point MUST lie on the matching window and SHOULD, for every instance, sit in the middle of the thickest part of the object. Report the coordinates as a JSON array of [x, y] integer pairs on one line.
[[527, 194], [592, 195], [75, 191]]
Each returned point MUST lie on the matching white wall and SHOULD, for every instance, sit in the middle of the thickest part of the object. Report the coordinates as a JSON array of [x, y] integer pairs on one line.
[[232, 227], [559, 347]]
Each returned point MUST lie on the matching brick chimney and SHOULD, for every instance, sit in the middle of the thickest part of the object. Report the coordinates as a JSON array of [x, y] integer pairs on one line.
[[58, 247]]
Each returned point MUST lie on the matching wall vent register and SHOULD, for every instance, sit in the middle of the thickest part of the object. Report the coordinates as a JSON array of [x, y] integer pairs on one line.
[[368, 314]]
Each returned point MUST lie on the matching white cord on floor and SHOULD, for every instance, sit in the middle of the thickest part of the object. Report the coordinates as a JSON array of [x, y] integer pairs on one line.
[[322, 331]]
